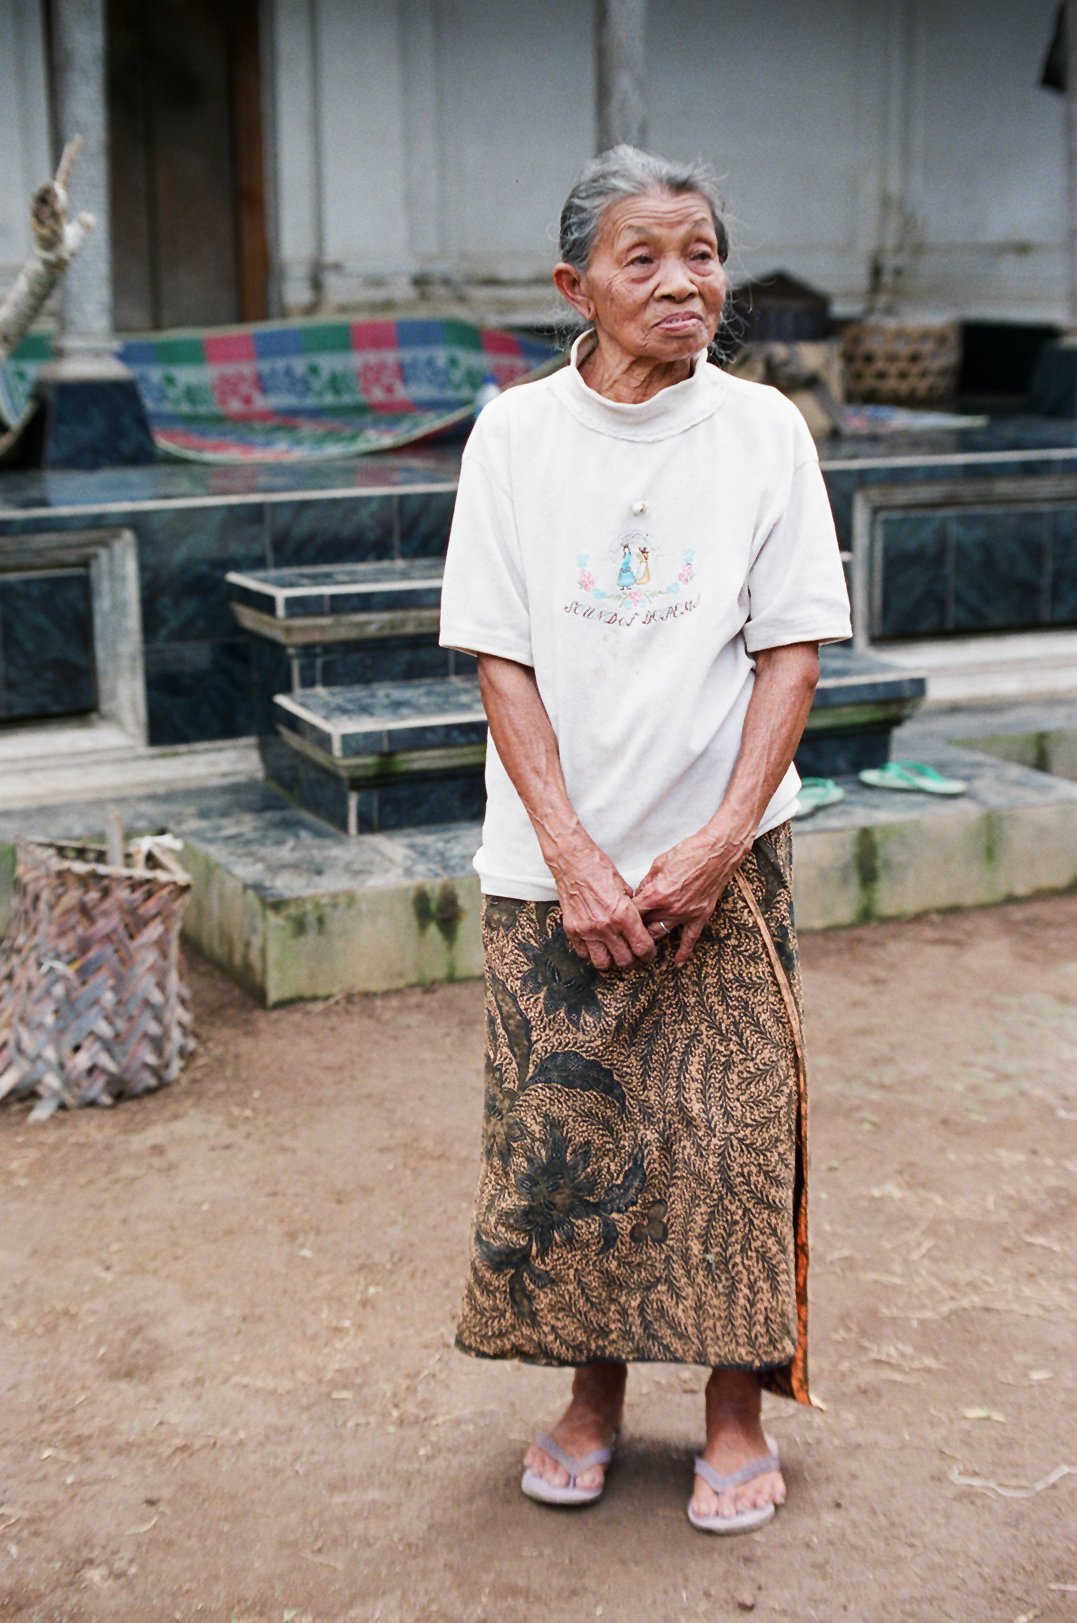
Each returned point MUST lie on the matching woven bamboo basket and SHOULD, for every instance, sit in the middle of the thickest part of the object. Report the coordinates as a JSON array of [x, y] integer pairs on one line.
[[902, 363], [93, 1004]]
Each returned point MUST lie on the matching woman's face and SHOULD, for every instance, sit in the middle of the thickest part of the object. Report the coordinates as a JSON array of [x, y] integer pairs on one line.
[[655, 286]]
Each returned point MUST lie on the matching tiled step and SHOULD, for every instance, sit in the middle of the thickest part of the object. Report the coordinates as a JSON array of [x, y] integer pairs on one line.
[[859, 701], [337, 602], [382, 755], [369, 724], [385, 718], [388, 754], [855, 692], [341, 625]]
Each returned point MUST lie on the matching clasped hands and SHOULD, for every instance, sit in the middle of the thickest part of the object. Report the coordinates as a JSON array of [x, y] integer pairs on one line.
[[609, 923]]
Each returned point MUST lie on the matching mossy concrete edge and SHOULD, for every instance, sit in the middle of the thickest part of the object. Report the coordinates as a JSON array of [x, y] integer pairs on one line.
[[414, 933], [374, 940], [1050, 750], [287, 949]]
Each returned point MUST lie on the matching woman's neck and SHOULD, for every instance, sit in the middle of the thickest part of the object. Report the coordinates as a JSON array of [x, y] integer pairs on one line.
[[628, 379]]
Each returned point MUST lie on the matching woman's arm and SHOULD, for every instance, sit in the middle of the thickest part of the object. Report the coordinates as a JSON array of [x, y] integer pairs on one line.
[[685, 883], [602, 921]]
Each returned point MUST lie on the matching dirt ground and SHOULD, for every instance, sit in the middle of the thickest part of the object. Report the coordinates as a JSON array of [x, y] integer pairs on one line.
[[229, 1389]]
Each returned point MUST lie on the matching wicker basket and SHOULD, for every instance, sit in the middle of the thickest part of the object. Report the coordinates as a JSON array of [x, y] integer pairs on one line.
[[93, 1006], [902, 363]]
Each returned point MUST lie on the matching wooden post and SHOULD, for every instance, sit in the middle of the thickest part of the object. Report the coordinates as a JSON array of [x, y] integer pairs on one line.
[[619, 48], [114, 846]]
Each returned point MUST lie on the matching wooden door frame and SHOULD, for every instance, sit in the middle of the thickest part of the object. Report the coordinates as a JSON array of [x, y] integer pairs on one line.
[[245, 34], [245, 57]]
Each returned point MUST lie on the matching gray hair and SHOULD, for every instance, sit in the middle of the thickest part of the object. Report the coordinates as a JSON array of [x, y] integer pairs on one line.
[[625, 171]]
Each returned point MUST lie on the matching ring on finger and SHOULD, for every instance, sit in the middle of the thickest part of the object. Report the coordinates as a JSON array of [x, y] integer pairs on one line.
[[663, 926]]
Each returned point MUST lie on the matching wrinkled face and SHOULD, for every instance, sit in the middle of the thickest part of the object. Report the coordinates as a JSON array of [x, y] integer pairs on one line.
[[655, 286]]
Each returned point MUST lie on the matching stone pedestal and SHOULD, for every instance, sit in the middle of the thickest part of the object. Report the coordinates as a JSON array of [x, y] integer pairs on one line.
[[1053, 390], [96, 422], [89, 412]]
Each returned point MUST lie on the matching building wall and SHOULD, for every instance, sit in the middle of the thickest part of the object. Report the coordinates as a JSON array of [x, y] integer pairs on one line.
[[906, 140], [24, 144], [421, 142], [420, 149]]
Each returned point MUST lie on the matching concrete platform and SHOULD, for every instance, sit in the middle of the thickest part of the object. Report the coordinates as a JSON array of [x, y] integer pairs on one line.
[[291, 910], [1038, 733]]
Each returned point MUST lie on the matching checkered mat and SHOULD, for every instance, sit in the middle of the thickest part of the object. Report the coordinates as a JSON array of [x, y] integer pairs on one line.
[[302, 391]]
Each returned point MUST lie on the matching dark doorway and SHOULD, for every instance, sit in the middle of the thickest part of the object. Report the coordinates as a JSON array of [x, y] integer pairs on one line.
[[187, 168]]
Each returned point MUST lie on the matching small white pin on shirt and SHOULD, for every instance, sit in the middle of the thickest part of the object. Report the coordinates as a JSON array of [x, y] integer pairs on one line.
[[639, 506]]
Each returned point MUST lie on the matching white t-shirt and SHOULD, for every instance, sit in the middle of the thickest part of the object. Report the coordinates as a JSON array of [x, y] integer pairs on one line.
[[637, 556]]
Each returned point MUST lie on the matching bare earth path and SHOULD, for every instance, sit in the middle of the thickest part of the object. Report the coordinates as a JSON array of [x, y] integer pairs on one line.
[[228, 1388]]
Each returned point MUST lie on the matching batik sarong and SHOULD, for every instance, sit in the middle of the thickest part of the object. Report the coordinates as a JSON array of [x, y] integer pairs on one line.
[[642, 1193]]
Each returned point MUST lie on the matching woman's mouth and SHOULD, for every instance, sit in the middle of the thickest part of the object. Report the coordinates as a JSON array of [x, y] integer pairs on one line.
[[683, 321]]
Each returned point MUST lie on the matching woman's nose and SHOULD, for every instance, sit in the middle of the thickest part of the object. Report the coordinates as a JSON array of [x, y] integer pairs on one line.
[[675, 281]]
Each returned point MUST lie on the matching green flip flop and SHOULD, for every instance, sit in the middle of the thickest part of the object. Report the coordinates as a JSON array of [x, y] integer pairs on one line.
[[815, 793], [914, 775]]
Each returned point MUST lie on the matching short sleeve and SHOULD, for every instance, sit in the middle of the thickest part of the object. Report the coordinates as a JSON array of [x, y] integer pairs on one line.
[[484, 594], [796, 583]]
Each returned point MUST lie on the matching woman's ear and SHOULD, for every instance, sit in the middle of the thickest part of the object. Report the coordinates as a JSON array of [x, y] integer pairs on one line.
[[570, 285]]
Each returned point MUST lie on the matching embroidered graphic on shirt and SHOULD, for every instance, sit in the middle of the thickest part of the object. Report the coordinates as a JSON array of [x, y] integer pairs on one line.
[[634, 582]]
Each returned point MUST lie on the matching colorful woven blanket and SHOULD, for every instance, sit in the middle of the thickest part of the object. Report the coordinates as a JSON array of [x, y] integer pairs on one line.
[[304, 390]]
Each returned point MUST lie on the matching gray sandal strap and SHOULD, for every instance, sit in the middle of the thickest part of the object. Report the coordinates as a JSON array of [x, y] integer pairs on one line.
[[574, 1466], [754, 1468]]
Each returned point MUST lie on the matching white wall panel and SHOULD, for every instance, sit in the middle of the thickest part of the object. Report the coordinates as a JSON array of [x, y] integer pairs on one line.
[[517, 89], [784, 101], [856, 137], [24, 146], [297, 177], [986, 182], [988, 156], [362, 142], [435, 139]]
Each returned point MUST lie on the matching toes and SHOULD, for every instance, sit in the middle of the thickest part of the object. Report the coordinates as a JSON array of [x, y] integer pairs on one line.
[[768, 1491], [749, 1496], [545, 1467]]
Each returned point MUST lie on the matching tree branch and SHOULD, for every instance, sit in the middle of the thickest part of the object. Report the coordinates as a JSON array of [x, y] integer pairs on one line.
[[56, 242]]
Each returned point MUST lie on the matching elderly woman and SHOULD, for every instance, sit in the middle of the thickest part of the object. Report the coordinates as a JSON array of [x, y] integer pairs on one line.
[[643, 559]]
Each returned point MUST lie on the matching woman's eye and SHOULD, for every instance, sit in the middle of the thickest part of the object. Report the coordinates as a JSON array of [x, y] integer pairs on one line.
[[703, 254], [640, 259]]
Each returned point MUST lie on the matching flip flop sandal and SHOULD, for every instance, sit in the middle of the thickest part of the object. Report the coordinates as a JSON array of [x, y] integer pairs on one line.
[[815, 793], [567, 1493], [914, 775], [743, 1521]]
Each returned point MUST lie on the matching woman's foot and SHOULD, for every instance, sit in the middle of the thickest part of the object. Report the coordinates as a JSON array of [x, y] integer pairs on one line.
[[590, 1421], [734, 1439]]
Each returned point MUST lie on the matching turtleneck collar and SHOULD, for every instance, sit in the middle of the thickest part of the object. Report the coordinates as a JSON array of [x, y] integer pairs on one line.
[[670, 411]]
